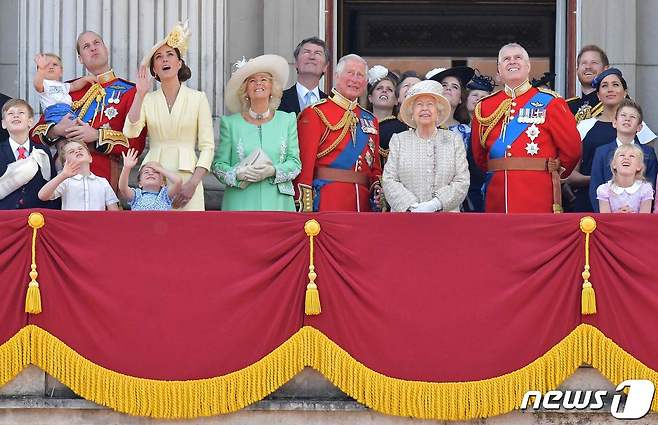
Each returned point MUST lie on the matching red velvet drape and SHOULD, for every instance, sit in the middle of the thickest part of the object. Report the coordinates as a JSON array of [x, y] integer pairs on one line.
[[439, 298]]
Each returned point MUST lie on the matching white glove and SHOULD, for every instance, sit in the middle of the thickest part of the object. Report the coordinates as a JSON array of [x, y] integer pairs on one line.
[[246, 174], [263, 172], [432, 205]]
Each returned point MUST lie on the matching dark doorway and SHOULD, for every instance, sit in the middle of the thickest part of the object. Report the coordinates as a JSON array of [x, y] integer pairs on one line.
[[422, 35]]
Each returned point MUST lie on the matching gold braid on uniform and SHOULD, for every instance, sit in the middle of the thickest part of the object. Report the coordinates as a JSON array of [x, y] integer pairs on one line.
[[110, 138], [490, 121], [346, 123], [96, 92]]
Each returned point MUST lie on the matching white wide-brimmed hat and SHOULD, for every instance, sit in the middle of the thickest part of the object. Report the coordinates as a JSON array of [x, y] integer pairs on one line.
[[178, 38], [426, 87], [274, 65]]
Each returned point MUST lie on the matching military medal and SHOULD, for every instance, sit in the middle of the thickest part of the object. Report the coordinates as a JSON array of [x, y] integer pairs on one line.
[[532, 132], [532, 148], [110, 112], [369, 158], [368, 126]]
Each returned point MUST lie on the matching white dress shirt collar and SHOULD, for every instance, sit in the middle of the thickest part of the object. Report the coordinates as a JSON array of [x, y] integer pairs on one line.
[[15, 145], [301, 94]]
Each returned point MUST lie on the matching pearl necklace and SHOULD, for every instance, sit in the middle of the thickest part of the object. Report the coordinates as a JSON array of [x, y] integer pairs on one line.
[[258, 116]]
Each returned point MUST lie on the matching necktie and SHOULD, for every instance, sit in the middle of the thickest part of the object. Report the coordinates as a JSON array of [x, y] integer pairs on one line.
[[21, 152], [309, 99]]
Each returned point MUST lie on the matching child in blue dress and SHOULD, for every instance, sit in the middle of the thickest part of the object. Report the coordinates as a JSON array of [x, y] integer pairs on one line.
[[157, 186]]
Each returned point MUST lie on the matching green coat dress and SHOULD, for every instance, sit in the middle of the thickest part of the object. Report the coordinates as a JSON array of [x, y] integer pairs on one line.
[[278, 139]]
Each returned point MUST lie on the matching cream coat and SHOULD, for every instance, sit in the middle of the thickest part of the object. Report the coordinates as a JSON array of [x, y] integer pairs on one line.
[[173, 136], [418, 170]]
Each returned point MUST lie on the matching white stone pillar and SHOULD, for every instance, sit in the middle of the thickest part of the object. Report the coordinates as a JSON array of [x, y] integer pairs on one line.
[[129, 28], [646, 89]]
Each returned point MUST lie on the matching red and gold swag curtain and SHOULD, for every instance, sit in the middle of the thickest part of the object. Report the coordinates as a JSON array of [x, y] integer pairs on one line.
[[442, 316]]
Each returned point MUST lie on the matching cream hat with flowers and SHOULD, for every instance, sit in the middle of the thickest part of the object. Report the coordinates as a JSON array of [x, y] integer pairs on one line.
[[178, 38], [274, 65], [426, 87]]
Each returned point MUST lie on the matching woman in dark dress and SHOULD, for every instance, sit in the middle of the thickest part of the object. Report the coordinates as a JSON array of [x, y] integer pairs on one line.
[[611, 88], [392, 125]]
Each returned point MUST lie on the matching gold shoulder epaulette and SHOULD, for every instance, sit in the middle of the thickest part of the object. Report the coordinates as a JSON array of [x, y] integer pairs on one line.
[[596, 110], [320, 102], [346, 124], [490, 95], [488, 123], [548, 91], [571, 99]]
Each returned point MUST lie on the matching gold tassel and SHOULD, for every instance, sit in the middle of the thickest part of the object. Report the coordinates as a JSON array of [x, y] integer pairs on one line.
[[588, 299], [588, 296], [312, 305], [33, 296]]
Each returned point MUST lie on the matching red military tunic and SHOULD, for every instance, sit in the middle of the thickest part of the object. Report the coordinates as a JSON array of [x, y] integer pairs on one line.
[[339, 173], [554, 136], [104, 106]]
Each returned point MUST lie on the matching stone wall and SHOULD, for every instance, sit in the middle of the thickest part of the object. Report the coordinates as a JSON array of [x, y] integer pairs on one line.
[[34, 397], [627, 31]]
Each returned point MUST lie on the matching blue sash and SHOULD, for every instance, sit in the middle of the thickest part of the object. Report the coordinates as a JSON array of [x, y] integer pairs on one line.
[[512, 132], [113, 91], [350, 154], [345, 160], [515, 128]]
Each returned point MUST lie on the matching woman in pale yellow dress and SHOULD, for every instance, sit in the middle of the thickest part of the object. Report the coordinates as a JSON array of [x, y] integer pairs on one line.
[[178, 118]]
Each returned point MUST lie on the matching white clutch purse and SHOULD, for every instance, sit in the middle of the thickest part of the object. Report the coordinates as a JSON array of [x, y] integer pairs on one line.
[[256, 158]]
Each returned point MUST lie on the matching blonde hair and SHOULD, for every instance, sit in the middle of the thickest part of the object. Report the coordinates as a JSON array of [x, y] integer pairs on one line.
[[54, 56], [639, 175], [61, 154], [276, 93]]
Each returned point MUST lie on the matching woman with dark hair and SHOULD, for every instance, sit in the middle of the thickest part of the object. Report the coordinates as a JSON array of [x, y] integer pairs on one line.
[[178, 118], [455, 81], [381, 100], [611, 88], [392, 125]]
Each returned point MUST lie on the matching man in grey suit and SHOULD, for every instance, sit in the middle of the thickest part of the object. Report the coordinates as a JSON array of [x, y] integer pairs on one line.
[[311, 61]]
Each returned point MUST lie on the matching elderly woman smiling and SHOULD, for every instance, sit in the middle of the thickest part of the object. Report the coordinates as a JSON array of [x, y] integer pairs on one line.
[[427, 169], [258, 154]]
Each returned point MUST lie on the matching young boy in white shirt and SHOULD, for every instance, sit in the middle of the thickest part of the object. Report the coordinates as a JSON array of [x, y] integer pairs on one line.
[[54, 95], [78, 187]]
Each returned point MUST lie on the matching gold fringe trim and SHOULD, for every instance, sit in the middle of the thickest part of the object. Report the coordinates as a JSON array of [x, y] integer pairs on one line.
[[310, 347], [15, 355]]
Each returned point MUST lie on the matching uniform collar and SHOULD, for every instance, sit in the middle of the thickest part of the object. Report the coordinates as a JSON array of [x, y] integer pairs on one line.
[[518, 91], [106, 77], [630, 190], [342, 101]]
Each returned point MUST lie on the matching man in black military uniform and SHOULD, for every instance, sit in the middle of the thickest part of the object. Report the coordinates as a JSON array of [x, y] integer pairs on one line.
[[591, 61]]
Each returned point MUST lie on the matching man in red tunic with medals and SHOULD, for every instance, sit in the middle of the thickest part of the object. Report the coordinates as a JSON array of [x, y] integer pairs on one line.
[[525, 138], [100, 110], [339, 147]]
